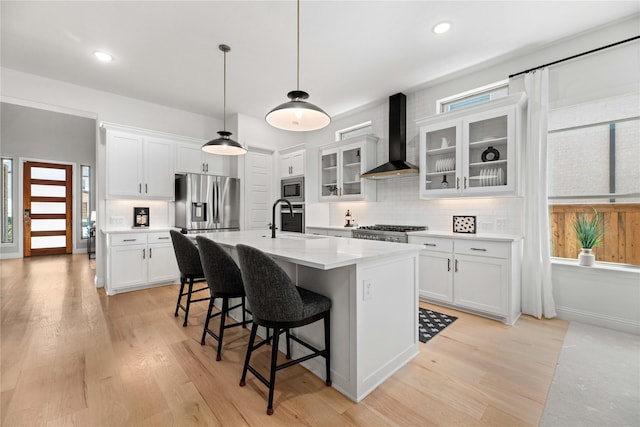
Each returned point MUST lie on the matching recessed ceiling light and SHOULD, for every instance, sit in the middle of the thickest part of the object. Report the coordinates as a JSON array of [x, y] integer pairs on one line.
[[442, 27], [103, 56]]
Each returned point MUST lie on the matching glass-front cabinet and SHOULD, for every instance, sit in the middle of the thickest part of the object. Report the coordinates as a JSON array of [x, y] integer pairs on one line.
[[341, 165], [471, 152]]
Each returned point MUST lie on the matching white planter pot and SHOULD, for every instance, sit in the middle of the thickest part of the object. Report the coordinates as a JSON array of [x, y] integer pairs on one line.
[[586, 258]]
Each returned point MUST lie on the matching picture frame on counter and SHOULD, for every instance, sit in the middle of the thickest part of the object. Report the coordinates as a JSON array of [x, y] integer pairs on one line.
[[464, 224], [140, 217]]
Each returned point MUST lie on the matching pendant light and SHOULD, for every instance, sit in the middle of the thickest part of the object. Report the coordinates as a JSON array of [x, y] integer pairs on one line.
[[298, 114], [224, 144]]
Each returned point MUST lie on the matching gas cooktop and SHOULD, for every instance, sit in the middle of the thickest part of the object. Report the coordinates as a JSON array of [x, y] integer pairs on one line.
[[386, 233], [393, 228]]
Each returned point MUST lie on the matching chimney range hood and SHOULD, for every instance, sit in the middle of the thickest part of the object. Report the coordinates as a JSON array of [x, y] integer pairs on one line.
[[397, 164]]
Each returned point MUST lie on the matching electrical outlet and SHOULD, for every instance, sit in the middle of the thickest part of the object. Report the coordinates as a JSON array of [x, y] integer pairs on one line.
[[116, 220], [368, 290], [486, 226]]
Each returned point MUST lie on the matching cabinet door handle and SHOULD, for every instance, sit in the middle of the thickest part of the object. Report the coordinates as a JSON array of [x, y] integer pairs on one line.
[[144, 253], [146, 188], [150, 254], [430, 244], [140, 188], [207, 166], [465, 182], [456, 266], [129, 240], [448, 264], [479, 249], [163, 238], [457, 183], [203, 169]]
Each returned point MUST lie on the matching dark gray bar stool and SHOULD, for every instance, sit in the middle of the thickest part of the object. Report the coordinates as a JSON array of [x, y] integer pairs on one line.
[[190, 270], [276, 302], [225, 281]]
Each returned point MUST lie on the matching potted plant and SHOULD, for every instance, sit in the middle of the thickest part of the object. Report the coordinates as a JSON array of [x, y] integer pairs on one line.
[[589, 234]]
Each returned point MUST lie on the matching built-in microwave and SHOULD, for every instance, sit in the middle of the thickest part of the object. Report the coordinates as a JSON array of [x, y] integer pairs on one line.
[[293, 189]]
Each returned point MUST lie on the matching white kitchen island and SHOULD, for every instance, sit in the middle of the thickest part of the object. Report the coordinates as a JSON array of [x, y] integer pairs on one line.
[[373, 287]]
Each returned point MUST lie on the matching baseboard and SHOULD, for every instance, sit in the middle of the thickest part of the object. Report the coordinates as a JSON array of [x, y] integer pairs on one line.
[[595, 319], [10, 255]]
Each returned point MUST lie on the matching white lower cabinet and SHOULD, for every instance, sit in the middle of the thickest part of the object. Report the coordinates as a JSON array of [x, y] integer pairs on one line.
[[138, 260], [471, 274]]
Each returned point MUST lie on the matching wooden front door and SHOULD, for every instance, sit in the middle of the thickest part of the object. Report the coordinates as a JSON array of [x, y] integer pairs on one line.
[[47, 209]]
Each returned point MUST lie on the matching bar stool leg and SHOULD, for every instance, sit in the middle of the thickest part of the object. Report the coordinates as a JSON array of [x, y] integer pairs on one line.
[[186, 310], [327, 346], [252, 339], [244, 315], [272, 376], [223, 315], [288, 335], [206, 321], [182, 282]]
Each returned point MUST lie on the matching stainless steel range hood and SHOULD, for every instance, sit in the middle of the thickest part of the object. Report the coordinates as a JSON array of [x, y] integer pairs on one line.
[[397, 164]]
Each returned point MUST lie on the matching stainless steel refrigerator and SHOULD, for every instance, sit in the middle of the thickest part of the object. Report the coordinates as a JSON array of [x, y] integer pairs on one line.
[[207, 203]]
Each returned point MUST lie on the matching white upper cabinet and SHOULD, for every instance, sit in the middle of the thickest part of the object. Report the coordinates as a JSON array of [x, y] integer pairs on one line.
[[191, 159], [292, 164], [342, 164], [139, 166], [473, 152]]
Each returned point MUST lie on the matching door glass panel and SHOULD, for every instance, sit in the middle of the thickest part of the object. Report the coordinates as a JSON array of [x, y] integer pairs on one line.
[[41, 242], [330, 174], [48, 190], [48, 224], [48, 207], [48, 173], [440, 158]]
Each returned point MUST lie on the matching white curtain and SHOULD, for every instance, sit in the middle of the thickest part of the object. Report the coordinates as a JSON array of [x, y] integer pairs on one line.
[[537, 296]]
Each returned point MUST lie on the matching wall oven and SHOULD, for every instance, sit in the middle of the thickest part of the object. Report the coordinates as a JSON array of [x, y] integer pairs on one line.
[[292, 189], [293, 223]]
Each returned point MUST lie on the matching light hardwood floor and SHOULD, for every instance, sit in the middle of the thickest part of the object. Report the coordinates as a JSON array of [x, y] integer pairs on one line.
[[73, 356]]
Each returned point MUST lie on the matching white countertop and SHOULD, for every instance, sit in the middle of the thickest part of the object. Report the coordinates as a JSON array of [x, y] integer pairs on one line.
[[322, 252], [470, 236], [137, 230]]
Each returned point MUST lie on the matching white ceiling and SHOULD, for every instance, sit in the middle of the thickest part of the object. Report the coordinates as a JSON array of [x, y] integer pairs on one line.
[[352, 52]]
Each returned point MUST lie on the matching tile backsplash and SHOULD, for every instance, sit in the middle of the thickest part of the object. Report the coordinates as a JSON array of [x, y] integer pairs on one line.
[[501, 215]]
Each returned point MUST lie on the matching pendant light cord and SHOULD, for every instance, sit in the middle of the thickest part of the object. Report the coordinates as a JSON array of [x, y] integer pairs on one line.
[[298, 52], [224, 93]]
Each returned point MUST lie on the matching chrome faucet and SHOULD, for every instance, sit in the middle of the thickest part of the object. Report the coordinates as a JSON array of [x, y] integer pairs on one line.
[[273, 215]]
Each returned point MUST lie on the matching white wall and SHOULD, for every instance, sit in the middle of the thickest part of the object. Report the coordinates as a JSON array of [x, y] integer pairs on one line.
[[608, 297]]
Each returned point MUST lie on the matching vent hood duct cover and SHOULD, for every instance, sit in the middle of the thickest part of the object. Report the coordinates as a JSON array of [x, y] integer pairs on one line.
[[397, 164]]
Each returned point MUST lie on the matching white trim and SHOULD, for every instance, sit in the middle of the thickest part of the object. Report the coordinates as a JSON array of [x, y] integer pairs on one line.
[[599, 265], [478, 90], [48, 107], [615, 323], [350, 128], [150, 132]]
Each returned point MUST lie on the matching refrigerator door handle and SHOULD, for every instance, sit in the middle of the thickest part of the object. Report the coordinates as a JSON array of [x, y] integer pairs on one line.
[[216, 202]]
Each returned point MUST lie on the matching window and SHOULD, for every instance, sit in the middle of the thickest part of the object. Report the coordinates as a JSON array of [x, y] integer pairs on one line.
[[473, 97], [86, 201], [7, 200], [362, 129], [593, 152]]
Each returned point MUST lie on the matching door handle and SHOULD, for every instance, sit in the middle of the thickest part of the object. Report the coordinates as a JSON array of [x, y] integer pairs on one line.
[[140, 188], [457, 183], [479, 249], [448, 264], [144, 251], [146, 188], [203, 168], [163, 238], [129, 240], [150, 254], [456, 266], [465, 182], [430, 244]]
